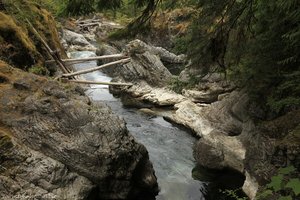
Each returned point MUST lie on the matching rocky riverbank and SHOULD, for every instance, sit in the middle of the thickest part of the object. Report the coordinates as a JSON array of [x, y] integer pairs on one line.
[[81, 150], [231, 127], [214, 111], [54, 142]]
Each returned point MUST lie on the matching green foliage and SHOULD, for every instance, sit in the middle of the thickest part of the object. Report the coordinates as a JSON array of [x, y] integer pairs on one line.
[[265, 193], [144, 18], [79, 7], [285, 102], [139, 3], [119, 34], [285, 198], [39, 70], [123, 7], [56, 7], [25, 49], [256, 42], [276, 183], [286, 94], [286, 170], [294, 184], [127, 33], [109, 4], [210, 32], [233, 194], [177, 85], [180, 44], [283, 186]]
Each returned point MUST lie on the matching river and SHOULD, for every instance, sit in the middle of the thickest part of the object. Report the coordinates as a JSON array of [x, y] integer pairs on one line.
[[169, 147]]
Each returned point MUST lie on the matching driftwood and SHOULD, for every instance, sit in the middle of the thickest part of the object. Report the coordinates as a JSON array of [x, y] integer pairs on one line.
[[123, 61], [90, 24], [53, 54], [100, 83], [88, 21], [89, 58]]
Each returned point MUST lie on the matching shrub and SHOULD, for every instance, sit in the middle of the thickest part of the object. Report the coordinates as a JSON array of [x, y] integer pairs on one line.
[[285, 185]]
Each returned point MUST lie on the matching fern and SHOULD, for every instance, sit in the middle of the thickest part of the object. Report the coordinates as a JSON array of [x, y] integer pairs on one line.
[[284, 185], [294, 184]]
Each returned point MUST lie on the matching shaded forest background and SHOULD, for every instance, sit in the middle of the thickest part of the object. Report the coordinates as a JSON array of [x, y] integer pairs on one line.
[[256, 44]]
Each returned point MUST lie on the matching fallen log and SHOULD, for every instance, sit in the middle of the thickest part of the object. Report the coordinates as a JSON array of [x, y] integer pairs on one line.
[[89, 24], [101, 83], [88, 21], [123, 61], [89, 58], [54, 54]]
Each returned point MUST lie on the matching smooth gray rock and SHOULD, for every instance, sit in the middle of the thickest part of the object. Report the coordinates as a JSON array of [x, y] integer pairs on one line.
[[139, 47], [146, 64], [75, 41], [74, 38], [167, 56], [28, 174], [229, 114], [200, 96], [209, 156]]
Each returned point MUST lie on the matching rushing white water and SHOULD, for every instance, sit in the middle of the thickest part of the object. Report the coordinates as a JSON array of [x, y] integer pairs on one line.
[[170, 148]]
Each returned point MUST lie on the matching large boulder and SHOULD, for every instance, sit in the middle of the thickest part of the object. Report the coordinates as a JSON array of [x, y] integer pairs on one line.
[[147, 63], [76, 41], [28, 174], [74, 143]]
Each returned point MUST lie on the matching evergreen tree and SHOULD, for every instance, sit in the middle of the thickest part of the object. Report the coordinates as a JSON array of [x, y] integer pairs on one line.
[[147, 13], [257, 42], [109, 4], [79, 7]]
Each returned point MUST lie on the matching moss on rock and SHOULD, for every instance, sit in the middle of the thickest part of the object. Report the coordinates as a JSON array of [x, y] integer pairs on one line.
[[19, 45], [8, 26], [16, 47]]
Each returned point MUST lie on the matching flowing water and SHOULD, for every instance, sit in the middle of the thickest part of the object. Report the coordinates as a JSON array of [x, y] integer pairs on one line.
[[170, 148]]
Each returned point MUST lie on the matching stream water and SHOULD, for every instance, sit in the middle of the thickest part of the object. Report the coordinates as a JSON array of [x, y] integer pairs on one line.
[[170, 148]]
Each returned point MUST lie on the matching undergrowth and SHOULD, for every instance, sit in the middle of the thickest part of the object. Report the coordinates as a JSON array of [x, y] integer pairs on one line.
[[285, 185], [178, 85]]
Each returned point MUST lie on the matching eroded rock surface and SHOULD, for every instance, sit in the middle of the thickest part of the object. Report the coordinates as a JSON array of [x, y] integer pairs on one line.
[[213, 109], [75, 41], [28, 174], [218, 112], [64, 145], [147, 63]]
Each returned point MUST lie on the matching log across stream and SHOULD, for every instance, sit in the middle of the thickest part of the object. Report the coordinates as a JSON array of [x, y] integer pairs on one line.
[[169, 147]]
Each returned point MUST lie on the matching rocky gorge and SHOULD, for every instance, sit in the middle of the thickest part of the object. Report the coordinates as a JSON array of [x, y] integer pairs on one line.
[[212, 113], [206, 111], [55, 143], [231, 128], [81, 150]]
